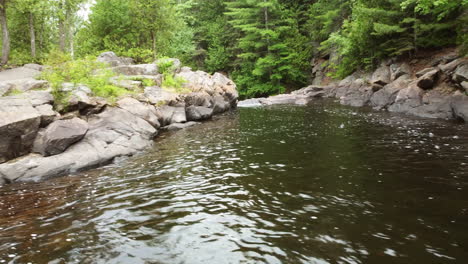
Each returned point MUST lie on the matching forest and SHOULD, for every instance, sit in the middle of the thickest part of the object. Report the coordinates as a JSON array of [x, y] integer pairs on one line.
[[265, 46]]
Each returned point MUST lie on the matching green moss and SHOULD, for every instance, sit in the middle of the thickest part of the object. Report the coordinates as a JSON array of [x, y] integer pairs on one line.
[[13, 92]]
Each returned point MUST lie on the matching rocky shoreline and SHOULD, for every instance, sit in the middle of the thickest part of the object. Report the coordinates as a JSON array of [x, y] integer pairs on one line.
[[38, 141], [432, 88]]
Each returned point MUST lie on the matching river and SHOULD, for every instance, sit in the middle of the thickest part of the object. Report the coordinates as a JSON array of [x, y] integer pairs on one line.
[[286, 184]]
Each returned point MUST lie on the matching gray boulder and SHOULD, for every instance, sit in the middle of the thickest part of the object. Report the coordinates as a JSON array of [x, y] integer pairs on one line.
[[195, 113], [396, 71], [19, 123], [113, 60], [175, 67], [126, 84], [139, 69], [448, 68], [27, 84], [143, 111], [198, 99], [386, 96], [381, 76], [158, 96], [459, 106], [59, 135], [428, 79], [179, 126], [358, 94], [5, 88], [220, 105], [171, 114], [407, 99], [254, 102], [48, 115], [461, 73]]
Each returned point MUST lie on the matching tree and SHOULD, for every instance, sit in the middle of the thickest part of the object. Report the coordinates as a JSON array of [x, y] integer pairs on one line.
[[5, 33]]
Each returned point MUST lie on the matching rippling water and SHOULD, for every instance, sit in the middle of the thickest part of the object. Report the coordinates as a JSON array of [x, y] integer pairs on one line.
[[318, 184]]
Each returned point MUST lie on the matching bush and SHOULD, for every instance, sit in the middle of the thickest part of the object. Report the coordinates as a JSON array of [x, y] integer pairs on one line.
[[85, 71]]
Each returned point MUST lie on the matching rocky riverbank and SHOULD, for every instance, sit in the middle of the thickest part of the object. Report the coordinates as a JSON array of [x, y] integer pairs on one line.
[[432, 87], [40, 140]]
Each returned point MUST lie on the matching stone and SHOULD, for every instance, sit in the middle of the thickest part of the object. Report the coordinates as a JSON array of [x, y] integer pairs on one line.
[[113, 60], [130, 85], [448, 68], [464, 85], [5, 88], [195, 113], [144, 111], [59, 135], [197, 81], [27, 84], [407, 99], [179, 126], [139, 69], [34, 66], [387, 95], [39, 97], [428, 80], [279, 99], [198, 99], [424, 71], [19, 123], [171, 114], [158, 96], [112, 133], [358, 94], [381, 76], [254, 102], [220, 105], [461, 73], [459, 104], [48, 115], [396, 71]]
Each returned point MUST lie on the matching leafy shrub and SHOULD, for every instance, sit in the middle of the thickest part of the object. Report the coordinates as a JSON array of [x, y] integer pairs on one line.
[[85, 71], [174, 83]]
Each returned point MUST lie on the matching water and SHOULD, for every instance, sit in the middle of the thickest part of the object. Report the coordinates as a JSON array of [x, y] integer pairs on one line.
[[318, 184]]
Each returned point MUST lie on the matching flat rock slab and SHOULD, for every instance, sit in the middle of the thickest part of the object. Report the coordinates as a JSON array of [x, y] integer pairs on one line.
[[18, 73], [179, 126]]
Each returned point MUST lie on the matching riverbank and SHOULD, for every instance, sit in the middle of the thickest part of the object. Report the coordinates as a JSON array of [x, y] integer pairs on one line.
[[41, 139], [433, 87]]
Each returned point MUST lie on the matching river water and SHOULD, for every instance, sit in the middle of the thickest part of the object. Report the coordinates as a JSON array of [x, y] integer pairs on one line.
[[286, 184]]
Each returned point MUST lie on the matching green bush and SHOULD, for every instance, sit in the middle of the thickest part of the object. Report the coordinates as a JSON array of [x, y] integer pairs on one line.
[[85, 71], [174, 83]]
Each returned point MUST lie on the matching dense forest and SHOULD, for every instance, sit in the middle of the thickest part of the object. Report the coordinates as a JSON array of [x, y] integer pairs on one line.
[[266, 46]]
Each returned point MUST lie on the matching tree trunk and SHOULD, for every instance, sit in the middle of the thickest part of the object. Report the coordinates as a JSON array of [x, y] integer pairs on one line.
[[33, 35], [61, 28], [153, 38], [5, 34]]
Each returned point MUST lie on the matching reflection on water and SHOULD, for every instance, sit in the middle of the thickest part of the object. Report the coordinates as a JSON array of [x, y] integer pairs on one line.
[[318, 184]]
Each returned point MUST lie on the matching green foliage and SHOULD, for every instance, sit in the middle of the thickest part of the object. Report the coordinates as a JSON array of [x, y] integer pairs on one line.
[[83, 71], [174, 83]]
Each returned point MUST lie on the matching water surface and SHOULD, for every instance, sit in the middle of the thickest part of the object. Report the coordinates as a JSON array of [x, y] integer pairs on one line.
[[318, 184]]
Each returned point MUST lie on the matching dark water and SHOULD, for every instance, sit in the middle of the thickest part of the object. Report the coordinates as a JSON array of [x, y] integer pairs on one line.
[[318, 184]]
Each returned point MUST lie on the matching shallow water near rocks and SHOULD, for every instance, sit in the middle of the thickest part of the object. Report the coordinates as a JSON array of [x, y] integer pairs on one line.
[[285, 184]]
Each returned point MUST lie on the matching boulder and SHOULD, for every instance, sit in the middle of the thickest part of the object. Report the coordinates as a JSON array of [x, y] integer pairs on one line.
[[220, 105], [171, 114], [5, 88], [34, 66], [254, 102], [461, 73], [381, 76], [158, 96], [27, 84], [358, 94], [144, 111], [424, 71], [38, 97], [139, 69], [464, 86], [459, 106], [197, 81], [310, 91], [19, 123], [48, 115], [179, 126], [448, 68], [112, 133], [279, 99], [428, 80], [126, 84], [407, 99], [113, 60], [59, 135], [398, 70], [198, 99], [195, 113], [387, 95]]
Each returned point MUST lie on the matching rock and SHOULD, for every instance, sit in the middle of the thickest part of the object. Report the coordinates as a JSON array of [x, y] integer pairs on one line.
[[126, 84], [424, 71], [170, 114], [19, 123], [195, 113], [464, 85], [143, 111], [387, 95], [381, 76], [310, 91], [197, 81], [48, 115], [434, 105], [407, 99], [59, 135], [39, 97], [448, 68], [27, 84], [113, 133], [5, 88], [198, 99], [158, 96], [461, 74], [34, 66], [179, 126], [185, 69], [139, 69], [175, 64], [279, 99], [147, 80], [444, 59], [428, 80], [358, 94], [254, 102], [113, 60], [220, 105], [396, 71], [459, 104]]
